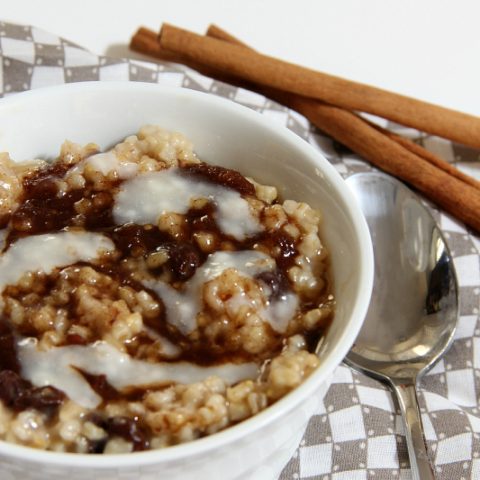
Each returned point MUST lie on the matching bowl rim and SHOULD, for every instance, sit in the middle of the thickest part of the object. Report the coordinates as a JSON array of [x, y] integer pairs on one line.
[[328, 364]]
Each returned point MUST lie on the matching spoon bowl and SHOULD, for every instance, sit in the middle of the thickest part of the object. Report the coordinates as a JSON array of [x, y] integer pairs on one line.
[[413, 311]]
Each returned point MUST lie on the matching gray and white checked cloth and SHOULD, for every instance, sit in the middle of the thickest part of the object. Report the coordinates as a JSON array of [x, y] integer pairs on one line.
[[358, 433]]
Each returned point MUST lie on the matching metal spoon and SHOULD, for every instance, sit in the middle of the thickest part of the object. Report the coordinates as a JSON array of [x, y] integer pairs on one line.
[[414, 307]]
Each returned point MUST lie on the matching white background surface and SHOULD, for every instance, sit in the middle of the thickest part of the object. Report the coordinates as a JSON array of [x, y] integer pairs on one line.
[[429, 49]]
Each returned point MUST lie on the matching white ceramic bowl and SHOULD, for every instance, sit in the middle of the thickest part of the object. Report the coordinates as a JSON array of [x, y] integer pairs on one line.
[[34, 124]]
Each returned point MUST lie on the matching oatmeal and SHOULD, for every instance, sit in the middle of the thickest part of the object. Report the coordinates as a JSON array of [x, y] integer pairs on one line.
[[149, 298]]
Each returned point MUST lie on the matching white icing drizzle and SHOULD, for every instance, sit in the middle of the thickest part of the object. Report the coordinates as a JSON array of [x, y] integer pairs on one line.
[[280, 311], [54, 367], [105, 163], [146, 197], [49, 251], [183, 306]]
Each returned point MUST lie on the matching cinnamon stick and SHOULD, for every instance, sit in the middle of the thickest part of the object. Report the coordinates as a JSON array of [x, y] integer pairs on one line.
[[145, 41], [431, 157], [215, 31], [455, 196], [270, 72]]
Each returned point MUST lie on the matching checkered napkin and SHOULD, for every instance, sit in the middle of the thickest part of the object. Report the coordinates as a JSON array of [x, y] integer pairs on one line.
[[358, 433]]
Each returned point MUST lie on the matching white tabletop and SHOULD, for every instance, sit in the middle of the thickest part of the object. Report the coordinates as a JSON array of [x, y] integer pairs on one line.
[[429, 49]]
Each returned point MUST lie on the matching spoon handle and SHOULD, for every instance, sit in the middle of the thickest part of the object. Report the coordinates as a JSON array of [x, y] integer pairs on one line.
[[417, 450]]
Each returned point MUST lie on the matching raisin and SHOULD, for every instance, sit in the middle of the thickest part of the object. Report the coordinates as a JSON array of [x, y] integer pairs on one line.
[[128, 429], [35, 184], [223, 176], [97, 446], [39, 215], [288, 251], [12, 387], [144, 238], [276, 281], [45, 399], [184, 261], [44, 188], [19, 394], [124, 427], [8, 355]]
